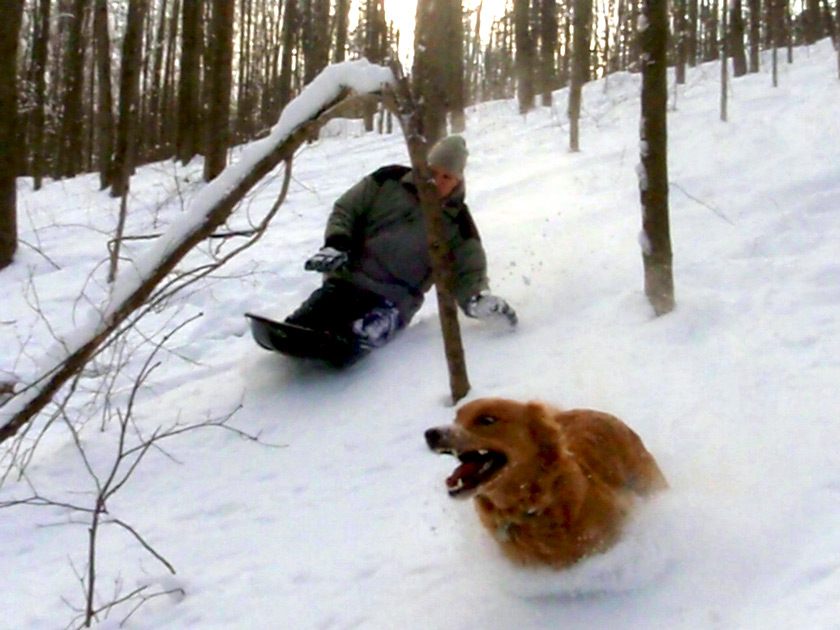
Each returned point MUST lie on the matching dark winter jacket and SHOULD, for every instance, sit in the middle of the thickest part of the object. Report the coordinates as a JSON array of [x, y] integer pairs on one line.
[[379, 221]]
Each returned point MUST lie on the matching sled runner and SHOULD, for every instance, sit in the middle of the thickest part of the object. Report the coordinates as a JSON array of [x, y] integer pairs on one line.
[[306, 343]]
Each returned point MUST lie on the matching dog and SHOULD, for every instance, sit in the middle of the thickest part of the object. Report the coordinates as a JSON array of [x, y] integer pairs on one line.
[[551, 486]]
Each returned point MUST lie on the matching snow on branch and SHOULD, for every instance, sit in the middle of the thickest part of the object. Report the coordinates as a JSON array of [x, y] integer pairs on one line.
[[324, 98]]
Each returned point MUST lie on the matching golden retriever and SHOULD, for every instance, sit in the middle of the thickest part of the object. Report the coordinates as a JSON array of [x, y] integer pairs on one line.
[[551, 486]]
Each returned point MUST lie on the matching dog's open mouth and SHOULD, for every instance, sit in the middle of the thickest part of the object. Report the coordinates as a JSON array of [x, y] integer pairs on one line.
[[476, 468]]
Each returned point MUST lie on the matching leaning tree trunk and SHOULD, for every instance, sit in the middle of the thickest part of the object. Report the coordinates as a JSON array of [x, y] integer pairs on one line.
[[9, 31], [213, 205], [411, 119], [653, 171]]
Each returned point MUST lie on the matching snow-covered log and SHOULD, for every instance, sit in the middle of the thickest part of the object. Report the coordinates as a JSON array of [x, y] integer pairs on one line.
[[328, 95]]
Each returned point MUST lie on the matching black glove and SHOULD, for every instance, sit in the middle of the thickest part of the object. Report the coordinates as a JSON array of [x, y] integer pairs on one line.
[[486, 305], [327, 259]]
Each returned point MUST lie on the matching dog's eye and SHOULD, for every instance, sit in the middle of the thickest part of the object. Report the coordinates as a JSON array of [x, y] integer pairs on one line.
[[485, 421]]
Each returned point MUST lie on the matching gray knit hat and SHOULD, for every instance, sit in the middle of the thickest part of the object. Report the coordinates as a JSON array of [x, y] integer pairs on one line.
[[450, 153]]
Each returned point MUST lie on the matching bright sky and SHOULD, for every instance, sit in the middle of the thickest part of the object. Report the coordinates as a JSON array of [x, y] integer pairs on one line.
[[402, 12]]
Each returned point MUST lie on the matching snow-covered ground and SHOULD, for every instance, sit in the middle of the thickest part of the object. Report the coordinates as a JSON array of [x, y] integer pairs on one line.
[[347, 523]]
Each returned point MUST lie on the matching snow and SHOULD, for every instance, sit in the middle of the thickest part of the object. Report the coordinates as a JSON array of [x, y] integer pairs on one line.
[[346, 522]]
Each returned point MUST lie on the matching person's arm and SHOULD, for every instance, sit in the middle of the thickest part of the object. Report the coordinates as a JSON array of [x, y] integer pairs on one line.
[[338, 235], [472, 290]]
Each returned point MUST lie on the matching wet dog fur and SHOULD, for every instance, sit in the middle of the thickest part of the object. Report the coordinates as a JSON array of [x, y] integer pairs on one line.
[[551, 486]]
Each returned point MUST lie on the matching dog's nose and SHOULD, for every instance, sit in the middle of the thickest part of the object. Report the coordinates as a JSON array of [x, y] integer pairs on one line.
[[433, 437]]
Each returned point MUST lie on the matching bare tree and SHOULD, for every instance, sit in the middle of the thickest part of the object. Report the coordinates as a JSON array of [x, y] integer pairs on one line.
[[9, 31], [130, 65], [524, 55], [680, 39], [342, 14], [736, 39], [37, 76], [755, 33], [653, 171], [580, 68], [430, 66], [189, 82], [105, 111], [548, 49], [724, 69], [411, 119], [219, 75], [71, 117]]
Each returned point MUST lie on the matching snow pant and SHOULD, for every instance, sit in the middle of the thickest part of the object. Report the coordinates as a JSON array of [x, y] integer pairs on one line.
[[345, 310]]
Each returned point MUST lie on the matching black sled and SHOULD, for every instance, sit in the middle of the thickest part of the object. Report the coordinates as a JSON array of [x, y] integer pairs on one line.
[[304, 343]]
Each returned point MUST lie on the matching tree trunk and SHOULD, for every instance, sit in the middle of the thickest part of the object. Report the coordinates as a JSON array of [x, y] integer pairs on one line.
[[548, 49], [189, 83], [812, 18], [580, 68], [524, 55], [342, 17], [736, 39], [430, 64], [755, 34], [455, 78], [442, 258], [38, 76], [724, 69], [105, 105], [316, 38], [130, 67], [653, 175], [290, 30], [219, 75], [680, 40], [72, 130], [9, 37], [691, 51]]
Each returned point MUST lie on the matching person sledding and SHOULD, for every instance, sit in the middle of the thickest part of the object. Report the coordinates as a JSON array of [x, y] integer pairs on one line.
[[376, 263]]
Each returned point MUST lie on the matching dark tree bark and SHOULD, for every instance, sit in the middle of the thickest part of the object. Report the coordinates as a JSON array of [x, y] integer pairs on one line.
[[189, 83], [316, 38], [755, 34], [680, 39], [130, 67], [653, 176], [691, 44], [290, 34], [736, 39], [220, 76], [342, 17], [812, 17], [455, 75], [548, 49], [37, 75], [524, 55], [72, 129], [9, 33], [580, 68], [105, 105], [430, 64]]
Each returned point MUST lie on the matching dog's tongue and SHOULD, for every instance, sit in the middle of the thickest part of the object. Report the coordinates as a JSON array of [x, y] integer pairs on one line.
[[463, 477]]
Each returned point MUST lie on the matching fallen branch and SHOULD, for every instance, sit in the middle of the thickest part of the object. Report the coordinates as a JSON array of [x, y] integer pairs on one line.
[[335, 90]]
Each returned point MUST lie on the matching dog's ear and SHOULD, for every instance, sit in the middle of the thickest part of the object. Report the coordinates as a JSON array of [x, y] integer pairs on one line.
[[543, 433]]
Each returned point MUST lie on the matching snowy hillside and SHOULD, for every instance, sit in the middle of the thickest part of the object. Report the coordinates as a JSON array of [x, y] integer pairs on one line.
[[340, 519]]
